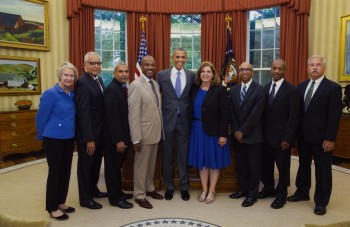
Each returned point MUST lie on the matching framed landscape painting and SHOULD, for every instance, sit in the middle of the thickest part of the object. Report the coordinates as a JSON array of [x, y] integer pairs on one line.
[[344, 59], [19, 76], [24, 24]]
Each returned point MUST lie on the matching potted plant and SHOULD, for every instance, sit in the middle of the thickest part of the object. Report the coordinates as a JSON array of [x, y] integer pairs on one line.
[[23, 104]]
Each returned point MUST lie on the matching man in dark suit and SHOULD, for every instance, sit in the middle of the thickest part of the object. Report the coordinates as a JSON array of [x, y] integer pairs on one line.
[[175, 85], [320, 113], [146, 130], [89, 130], [280, 122], [247, 101], [117, 135]]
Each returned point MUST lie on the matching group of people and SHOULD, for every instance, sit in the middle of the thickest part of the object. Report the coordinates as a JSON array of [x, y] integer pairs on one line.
[[189, 115]]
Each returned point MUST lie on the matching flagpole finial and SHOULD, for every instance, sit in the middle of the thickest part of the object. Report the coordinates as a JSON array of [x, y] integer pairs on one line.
[[228, 19], [143, 20]]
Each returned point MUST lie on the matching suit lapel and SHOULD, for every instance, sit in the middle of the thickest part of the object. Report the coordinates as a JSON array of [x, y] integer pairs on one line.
[[318, 93], [93, 82], [148, 88], [279, 93], [169, 84]]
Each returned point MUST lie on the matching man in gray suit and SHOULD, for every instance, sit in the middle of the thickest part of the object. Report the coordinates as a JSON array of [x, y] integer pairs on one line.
[[175, 84], [145, 121]]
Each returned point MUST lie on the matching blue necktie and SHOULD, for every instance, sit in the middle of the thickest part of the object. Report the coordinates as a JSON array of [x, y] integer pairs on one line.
[[243, 93], [178, 88], [178, 85]]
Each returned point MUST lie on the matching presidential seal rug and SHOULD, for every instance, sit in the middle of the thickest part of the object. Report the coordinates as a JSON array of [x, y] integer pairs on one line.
[[170, 222]]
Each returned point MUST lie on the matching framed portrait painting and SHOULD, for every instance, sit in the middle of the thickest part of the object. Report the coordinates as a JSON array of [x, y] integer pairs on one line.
[[344, 59], [19, 76], [24, 24]]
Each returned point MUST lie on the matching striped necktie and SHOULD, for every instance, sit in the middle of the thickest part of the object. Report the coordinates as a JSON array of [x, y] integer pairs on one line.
[[308, 96], [243, 93]]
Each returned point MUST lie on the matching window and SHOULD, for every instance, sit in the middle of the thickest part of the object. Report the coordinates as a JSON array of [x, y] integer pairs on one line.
[[186, 33], [110, 40], [263, 41]]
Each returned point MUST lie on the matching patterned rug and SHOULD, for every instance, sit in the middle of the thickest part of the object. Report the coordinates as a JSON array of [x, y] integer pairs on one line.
[[170, 222]]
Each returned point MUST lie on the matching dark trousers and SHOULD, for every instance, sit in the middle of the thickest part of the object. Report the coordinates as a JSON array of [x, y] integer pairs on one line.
[[323, 172], [59, 154], [113, 164], [88, 172], [248, 159], [270, 156], [176, 141]]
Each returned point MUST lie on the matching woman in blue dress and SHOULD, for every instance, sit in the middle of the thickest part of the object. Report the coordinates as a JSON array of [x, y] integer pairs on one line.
[[208, 149]]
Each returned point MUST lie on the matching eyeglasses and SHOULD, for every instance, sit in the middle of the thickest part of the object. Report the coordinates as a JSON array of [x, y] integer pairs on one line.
[[94, 63], [248, 70]]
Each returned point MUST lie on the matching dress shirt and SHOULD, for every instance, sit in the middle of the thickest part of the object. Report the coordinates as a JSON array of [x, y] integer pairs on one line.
[[317, 83], [173, 77], [278, 85], [246, 85]]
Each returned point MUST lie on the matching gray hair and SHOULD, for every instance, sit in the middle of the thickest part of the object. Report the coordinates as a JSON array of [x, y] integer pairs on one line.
[[323, 59], [89, 54], [66, 65], [119, 63]]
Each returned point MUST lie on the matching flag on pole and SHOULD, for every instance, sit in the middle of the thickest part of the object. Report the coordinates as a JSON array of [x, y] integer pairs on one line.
[[228, 70], [142, 52]]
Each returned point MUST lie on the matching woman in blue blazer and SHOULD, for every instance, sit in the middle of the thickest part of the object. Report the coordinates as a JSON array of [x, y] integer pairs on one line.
[[208, 150], [55, 125]]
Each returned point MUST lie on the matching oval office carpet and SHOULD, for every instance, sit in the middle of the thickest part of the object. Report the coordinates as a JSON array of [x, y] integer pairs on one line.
[[22, 194]]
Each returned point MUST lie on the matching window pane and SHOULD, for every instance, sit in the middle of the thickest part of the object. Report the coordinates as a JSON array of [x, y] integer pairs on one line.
[[277, 54], [107, 59], [175, 42], [197, 43], [97, 39], [268, 39], [186, 42], [265, 77], [107, 76], [196, 60], [267, 58], [277, 39], [188, 64], [255, 40], [255, 58]]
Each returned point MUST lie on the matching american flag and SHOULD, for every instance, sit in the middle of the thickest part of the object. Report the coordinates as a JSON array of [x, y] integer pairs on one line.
[[228, 70], [142, 52]]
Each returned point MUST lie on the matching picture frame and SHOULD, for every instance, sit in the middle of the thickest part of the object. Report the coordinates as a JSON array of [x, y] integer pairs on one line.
[[19, 76], [344, 59], [24, 24]]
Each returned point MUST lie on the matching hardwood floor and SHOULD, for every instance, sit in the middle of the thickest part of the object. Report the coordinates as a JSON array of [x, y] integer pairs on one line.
[[15, 159]]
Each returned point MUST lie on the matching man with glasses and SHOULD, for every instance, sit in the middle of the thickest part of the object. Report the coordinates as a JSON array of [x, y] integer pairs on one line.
[[247, 101], [90, 119]]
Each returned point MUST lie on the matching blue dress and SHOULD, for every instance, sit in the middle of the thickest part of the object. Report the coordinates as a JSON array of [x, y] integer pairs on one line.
[[204, 150]]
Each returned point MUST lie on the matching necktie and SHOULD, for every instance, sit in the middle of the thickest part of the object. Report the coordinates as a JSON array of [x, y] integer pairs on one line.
[[154, 91], [272, 94], [99, 84], [178, 85], [243, 93], [125, 89], [309, 95]]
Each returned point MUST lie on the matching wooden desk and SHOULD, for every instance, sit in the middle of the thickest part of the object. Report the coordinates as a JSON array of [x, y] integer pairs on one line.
[[17, 132], [342, 143], [227, 181]]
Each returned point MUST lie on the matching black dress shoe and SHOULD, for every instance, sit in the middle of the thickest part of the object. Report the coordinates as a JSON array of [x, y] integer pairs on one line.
[[101, 195], [68, 210], [60, 218], [320, 210], [154, 195], [127, 196], [265, 194], [297, 198], [169, 194], [278, 203], [92, 205], [123, 204], [185, 195], [237, 195], [249, 201]]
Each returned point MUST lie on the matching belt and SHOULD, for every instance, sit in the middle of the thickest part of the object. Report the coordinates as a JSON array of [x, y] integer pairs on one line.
[[196, 119]]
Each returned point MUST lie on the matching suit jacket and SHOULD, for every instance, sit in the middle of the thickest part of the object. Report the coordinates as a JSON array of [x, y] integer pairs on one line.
[[117, 112], [145, 115], [89, 109], [215, 110], [321, 120], [280, 121], [170, 101], [247, 117]]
